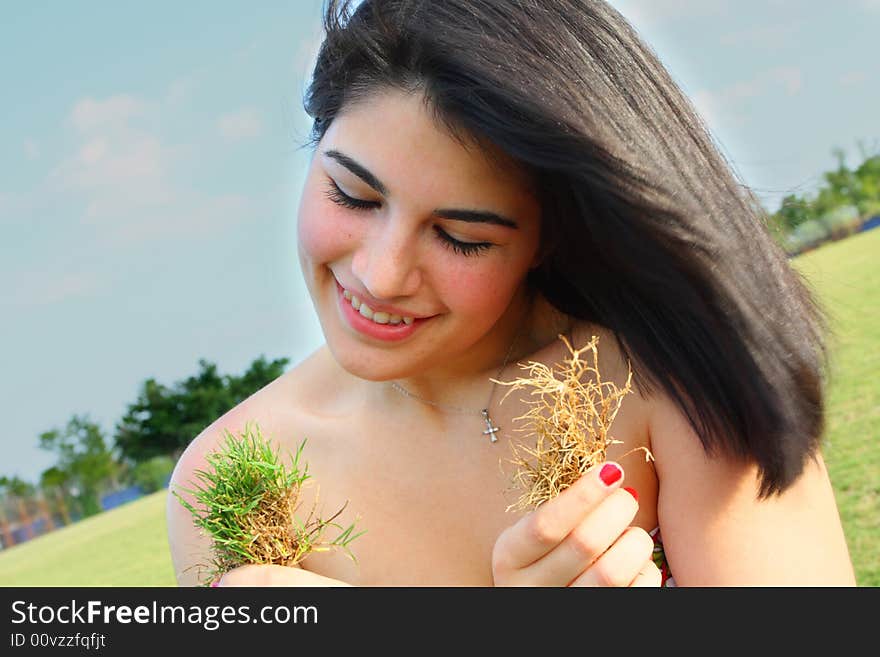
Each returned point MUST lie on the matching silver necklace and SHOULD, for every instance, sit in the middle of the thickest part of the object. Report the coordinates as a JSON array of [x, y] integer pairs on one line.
[[491, 429]]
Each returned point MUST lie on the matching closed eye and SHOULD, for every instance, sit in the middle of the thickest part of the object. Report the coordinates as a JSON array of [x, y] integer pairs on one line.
[[463, 248], [341, 198]]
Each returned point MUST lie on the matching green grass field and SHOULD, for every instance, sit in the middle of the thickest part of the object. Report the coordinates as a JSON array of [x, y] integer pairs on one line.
[[128, 547], [846, 277]]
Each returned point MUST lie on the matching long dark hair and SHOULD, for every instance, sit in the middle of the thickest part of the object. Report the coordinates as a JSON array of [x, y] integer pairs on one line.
[[645, 228]]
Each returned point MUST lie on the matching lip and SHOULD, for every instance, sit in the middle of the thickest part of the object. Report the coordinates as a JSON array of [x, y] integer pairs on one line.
[[387, 332], [391, 310]]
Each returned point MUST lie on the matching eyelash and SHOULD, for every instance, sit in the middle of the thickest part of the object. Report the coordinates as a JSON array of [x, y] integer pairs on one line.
[[464, 248]]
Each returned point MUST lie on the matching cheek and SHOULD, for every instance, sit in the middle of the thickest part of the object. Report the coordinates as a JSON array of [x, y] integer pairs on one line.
[[482, 292], [323, 232]]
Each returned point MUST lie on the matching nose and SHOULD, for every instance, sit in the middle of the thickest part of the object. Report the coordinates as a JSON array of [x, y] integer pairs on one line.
[[386, 262]]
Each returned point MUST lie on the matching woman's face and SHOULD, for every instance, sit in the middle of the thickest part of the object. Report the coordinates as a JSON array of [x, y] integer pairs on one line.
[[401, 215]]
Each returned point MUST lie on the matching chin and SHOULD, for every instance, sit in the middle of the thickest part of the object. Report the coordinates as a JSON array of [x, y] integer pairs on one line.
[[351, 359]]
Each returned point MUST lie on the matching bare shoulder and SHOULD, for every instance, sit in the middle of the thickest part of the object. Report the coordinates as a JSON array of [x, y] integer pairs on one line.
[[551, 348], [276, 409], [717, 530], [272, 407], [613, 367]]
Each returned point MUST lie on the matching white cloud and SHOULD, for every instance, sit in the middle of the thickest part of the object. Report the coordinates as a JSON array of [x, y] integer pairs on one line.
[[15, 207], [243, 124], [726, 105], [121, 184], [245, 53], [38, 287], [190, 217], [31, 149], [116, 168], [93, 152], [137, 158], [89, 114], [762, 36], [122, 177], [178, 91], [644, 12], [853, 78], [711, 108], [791, 78], [116, 174]]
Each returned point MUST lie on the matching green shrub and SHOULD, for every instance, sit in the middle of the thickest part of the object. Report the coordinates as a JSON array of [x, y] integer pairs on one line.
[[806, 236], [841, 221], [870, 208], [151, 475]]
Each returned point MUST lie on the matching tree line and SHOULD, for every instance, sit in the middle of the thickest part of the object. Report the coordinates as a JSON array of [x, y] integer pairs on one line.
[[142, 450], [843, 202]]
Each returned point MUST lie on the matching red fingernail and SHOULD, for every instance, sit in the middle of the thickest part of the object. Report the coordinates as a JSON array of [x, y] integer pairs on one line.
[[610, 473], [632, 491], [215, 583]]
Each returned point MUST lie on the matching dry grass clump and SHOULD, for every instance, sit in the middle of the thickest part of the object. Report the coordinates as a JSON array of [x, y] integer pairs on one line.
[[570, 419], [249, 500]]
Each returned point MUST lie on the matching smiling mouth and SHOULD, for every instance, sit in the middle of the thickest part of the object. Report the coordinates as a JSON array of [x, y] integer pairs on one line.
[[378, 317]]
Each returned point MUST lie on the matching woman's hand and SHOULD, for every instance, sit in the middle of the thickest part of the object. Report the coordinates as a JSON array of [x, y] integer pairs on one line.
[[271, 575], [582, 537]]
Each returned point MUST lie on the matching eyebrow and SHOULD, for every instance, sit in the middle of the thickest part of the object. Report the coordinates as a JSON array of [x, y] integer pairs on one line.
[[471, 216]]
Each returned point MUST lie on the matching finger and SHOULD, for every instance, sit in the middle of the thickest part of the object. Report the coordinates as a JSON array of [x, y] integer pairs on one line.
[[262, 575], [588, 542], [247, 575], [275, 575], [649, 575], [540, 531], [621, 563]]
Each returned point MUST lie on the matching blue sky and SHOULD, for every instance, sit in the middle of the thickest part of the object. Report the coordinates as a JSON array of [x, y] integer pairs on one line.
[[149, 174]]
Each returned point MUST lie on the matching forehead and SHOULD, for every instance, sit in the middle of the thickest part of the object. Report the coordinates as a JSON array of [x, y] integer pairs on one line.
[[394, 135]]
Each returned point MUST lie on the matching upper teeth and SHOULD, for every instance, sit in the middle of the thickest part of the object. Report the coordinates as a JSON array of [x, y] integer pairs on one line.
[[369, 313]]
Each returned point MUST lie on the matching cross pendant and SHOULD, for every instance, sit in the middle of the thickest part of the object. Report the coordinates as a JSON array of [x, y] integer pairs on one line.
[[490, 430]]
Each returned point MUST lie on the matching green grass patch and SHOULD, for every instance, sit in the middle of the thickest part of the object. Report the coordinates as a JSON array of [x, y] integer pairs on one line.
[[846, 277], [128, 546]]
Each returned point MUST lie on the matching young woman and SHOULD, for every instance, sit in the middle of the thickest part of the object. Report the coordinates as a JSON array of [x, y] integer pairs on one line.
[[485, 176]]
